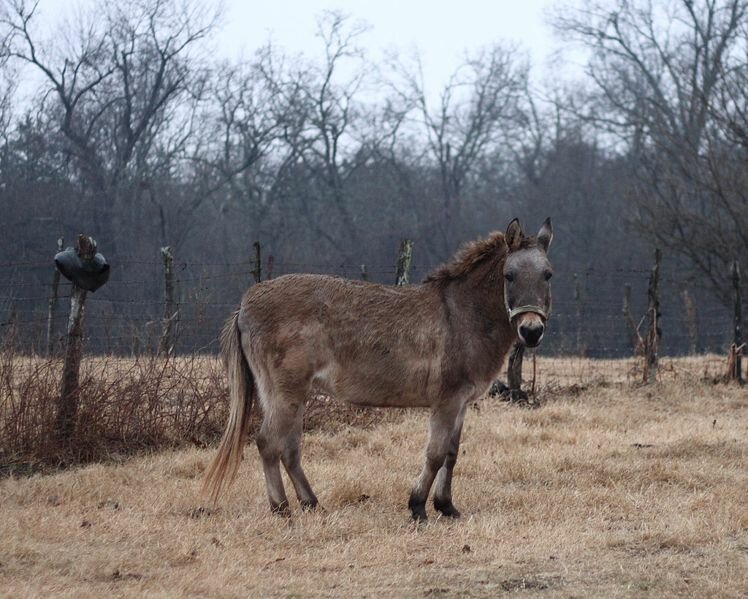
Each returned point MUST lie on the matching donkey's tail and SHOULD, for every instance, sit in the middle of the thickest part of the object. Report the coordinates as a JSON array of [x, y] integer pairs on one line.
[[225, 466]]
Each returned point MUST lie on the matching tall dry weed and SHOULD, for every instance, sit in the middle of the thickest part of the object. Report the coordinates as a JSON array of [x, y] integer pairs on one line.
[[126, 405]]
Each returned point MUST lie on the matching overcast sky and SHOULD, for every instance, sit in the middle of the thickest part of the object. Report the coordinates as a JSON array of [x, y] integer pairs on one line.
[[442, 31]]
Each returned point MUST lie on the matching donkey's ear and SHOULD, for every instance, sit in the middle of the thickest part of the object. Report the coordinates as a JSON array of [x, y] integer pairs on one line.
[[513, 235], [545, 235]]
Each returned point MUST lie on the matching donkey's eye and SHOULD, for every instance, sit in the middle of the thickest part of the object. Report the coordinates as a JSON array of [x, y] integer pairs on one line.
[[509, 276], [548, 275]]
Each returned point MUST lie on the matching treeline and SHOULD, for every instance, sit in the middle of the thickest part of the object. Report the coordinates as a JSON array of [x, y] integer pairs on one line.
[[139, 137]]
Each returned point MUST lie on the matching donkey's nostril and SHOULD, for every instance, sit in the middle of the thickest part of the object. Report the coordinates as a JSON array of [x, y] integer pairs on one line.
[[530, 334]]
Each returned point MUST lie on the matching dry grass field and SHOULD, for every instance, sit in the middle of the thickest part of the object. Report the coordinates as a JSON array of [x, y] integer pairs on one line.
[[607, 489]]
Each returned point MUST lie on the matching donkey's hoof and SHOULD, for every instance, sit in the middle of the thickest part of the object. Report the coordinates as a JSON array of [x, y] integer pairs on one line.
[[311, 506], [447, 509], [281, 509], [418, 512], [419, 515]]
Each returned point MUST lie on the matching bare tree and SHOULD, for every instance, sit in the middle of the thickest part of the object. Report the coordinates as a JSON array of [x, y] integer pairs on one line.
[[112, 86], [476, 106], [242, 154], [323, 131], [659, 71]]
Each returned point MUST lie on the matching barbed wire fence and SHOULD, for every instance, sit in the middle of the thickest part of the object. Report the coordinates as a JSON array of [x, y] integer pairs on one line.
[[127, 317]]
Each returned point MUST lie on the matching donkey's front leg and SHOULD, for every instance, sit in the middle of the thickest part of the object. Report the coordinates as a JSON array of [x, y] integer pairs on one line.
[[441, 427], [443, 486]]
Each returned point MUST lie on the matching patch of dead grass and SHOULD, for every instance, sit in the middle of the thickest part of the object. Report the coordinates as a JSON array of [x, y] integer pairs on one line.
[[609, 491]]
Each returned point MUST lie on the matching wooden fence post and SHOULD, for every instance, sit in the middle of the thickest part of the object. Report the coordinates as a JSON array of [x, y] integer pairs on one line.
[[257, 272], [364, 274], [403, 262], [171, 312], [52, 306], [631, 327], [11, 322], [690, 320], [578, 307], [67, 405], [653, 313], [738, 346], [271, 263]]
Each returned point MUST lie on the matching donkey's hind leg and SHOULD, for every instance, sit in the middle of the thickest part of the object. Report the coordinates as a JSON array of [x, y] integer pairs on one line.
[[270, 445], [291, 457], [279, 439]]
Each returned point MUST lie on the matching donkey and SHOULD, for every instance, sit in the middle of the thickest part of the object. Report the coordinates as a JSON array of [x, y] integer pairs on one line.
[[439, 344]]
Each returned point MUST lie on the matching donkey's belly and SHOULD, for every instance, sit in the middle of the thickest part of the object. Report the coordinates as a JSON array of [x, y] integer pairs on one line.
[[375, 398], [410, 384]]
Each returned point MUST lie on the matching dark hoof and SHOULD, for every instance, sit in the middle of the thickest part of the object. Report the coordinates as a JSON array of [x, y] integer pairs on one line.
[[447, 509], [281, 510], [310, 506], [419, 515], [418, 510]]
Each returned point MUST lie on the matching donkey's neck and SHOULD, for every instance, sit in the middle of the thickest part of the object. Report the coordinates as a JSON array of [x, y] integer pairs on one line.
[[481, 296], [480, 332]]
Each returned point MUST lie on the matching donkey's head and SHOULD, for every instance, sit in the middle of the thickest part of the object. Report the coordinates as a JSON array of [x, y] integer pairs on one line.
[[527, 281]]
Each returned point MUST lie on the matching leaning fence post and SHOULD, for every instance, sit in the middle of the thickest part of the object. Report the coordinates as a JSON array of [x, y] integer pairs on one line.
[[52, 307], [88, 271], [403, 262], [171, 312], [653, 312], [737, 374], [257, 272]]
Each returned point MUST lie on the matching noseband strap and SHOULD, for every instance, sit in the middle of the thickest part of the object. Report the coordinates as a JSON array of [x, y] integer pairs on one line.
[[522, 309]]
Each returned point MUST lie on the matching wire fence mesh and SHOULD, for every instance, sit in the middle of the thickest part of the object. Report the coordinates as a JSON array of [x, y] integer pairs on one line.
[[125, 317]]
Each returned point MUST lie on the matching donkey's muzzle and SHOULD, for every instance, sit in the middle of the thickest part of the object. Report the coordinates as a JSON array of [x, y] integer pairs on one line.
[[531, 333]]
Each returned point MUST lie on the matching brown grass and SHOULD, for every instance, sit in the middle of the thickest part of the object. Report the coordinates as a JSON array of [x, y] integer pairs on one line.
[[608, 489]]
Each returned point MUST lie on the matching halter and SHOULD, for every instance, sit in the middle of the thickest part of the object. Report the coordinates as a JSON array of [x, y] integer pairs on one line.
[[514, 312]]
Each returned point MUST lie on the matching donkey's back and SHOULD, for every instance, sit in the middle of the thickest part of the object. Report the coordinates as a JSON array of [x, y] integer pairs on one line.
[[366, 343]]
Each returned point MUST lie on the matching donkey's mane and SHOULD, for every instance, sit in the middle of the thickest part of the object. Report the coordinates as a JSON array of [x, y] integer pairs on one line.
[[473, 254]]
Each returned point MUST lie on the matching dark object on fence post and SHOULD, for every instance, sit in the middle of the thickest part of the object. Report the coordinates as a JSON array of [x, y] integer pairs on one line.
[[653, 314], [257, 272], [364, 274], [171, 311], [403, 262], [52, 307], [691, 321], [88, 270], [578, 305], [738, 345], [271, 263], [87, 273]]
